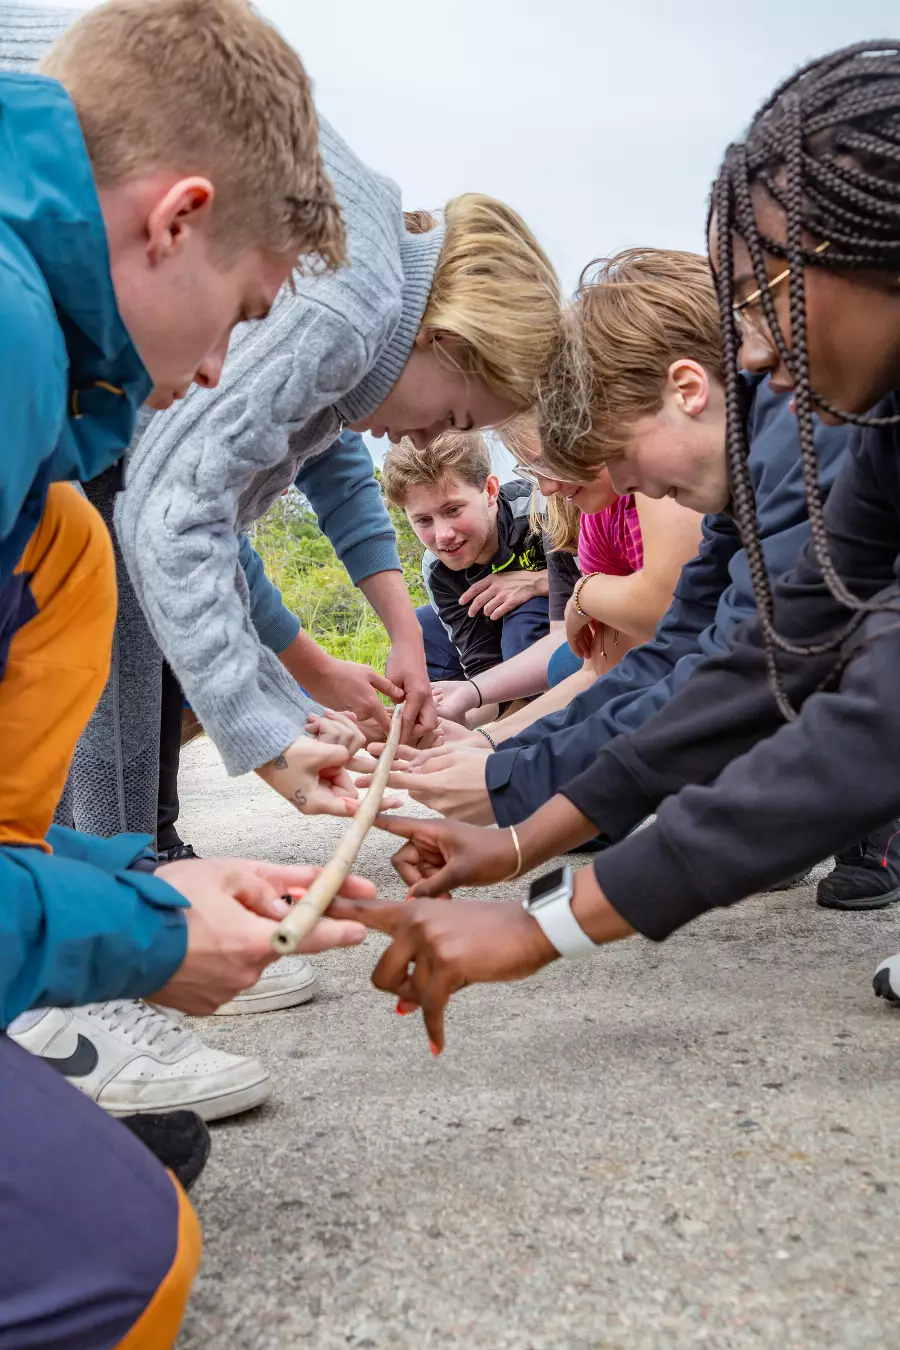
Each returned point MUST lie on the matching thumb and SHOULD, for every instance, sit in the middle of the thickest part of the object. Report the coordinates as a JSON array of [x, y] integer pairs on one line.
[[386, 686], [438, 885], [256, 936]]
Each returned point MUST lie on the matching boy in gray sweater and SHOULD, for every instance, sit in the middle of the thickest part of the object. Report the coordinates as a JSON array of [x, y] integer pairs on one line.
[[423, 331]]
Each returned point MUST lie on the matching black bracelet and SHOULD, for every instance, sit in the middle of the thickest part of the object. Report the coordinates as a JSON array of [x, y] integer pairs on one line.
[[488, 737], [477, 691]]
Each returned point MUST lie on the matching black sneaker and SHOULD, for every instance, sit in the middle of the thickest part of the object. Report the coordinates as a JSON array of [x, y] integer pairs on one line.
[[179, 1139], [866, 875], [177, 853]]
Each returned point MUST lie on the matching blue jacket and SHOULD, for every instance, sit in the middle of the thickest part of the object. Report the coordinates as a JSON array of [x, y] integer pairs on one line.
[[342, 490], [713, 595], [75, 925]]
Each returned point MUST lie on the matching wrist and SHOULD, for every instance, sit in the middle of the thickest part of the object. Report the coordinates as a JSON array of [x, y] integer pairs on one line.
[[554, 829], [475, 695], [577, 594], [593, 911], [543, 949], [405, 631], [306, 661]]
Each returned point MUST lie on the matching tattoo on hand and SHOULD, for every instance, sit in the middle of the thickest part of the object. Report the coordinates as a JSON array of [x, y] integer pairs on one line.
[[299, 798], [279, 762]]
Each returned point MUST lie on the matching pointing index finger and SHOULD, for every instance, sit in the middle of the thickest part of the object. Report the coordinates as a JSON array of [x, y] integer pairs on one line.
[[384, 915], [405, 826]]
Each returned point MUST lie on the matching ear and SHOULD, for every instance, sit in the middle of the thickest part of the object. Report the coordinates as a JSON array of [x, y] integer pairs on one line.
[[428, 336], [688, 383], [492, 488], [185, 206]]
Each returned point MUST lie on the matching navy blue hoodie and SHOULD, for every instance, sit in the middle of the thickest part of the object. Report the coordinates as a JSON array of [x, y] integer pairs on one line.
[[775, 796], [713, 596]]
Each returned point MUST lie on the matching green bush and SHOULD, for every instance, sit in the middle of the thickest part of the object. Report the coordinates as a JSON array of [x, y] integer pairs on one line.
[[303, 565]]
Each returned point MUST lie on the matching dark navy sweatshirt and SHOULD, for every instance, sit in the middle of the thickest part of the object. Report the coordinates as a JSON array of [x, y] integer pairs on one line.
[[713, 596], [745, 798]]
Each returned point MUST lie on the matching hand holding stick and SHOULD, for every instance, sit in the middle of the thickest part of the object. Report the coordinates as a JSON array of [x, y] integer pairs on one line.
[[307, 912]]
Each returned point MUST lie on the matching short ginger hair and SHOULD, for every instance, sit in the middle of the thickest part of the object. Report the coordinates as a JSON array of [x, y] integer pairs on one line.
[[457, 454], [205, 87], [633, 315]]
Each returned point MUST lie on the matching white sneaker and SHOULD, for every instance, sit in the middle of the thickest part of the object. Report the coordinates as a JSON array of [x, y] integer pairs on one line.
[[284, 984], [887, 979], [131, 1057]]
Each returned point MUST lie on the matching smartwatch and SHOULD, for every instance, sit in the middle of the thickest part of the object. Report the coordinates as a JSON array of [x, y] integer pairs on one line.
[[550, 903]]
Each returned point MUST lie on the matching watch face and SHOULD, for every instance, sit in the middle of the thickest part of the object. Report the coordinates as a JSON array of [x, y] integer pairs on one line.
[[544, 885], [555, 883]]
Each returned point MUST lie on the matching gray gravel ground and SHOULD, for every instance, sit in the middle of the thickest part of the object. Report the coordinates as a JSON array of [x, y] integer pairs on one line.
[[670, 1147]]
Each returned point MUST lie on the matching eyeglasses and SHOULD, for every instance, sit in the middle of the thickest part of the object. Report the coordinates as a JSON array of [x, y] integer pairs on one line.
[[749, 316], [531, 471]]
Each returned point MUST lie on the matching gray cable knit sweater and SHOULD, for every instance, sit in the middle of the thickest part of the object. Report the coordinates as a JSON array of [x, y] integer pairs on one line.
[[210, 465]]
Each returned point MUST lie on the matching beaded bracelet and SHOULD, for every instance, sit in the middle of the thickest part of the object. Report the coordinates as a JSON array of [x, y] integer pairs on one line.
[[488, 737], [577, 593]]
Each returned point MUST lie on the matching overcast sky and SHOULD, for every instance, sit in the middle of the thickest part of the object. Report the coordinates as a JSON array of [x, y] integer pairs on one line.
[[602, 123]]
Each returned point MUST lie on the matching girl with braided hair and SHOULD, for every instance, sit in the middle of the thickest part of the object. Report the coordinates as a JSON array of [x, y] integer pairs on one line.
[[787, 746]]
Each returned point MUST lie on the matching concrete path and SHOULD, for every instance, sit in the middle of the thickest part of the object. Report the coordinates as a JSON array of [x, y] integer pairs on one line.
[[691, 1145]]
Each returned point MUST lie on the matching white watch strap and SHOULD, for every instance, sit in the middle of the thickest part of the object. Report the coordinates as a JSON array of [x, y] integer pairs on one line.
[[563, 929]]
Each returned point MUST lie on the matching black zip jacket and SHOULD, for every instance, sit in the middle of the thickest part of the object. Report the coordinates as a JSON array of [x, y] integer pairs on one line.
[[478, 640], [745, 799]]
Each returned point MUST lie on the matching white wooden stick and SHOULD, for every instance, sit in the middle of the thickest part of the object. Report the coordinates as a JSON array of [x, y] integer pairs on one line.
[[306, 913]]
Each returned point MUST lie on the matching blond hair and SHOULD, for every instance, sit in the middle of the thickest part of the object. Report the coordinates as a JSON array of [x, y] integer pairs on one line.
[[457, 454], [205, 87], [419, 222], [496, 291], [633, 315], [560, 522]]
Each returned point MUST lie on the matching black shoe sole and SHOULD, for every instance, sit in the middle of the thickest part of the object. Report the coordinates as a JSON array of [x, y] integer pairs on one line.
[[864, 902], [179, 1139], [882, 986]]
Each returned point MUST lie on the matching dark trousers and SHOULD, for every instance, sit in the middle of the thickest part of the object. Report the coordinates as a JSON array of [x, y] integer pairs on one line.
[[169, 755], [98, 1244]]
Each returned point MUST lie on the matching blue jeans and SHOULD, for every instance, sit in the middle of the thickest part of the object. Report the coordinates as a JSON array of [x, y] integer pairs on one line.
[[563, 663]]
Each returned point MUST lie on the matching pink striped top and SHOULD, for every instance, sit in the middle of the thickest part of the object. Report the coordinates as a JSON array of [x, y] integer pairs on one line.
[[611, 541]]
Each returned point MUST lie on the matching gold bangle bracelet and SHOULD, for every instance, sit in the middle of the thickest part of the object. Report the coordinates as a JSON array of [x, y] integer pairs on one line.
[[515, 838]]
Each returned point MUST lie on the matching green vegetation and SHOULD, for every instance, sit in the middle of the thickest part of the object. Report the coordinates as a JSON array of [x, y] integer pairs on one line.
[[302, 564]]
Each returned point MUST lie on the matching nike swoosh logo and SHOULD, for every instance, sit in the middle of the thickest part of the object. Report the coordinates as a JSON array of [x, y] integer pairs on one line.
[[82, 1061]]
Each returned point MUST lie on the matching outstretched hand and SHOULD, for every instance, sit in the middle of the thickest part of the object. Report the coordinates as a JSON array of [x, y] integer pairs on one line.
[[440, 855], [448, 947], [452, 782]]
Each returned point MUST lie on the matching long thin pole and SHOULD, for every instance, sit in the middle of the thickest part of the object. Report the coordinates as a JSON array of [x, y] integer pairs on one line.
[[307, 912]]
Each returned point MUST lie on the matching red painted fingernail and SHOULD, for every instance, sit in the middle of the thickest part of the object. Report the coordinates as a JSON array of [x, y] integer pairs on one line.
[[404, 1006], [433, 1048]]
